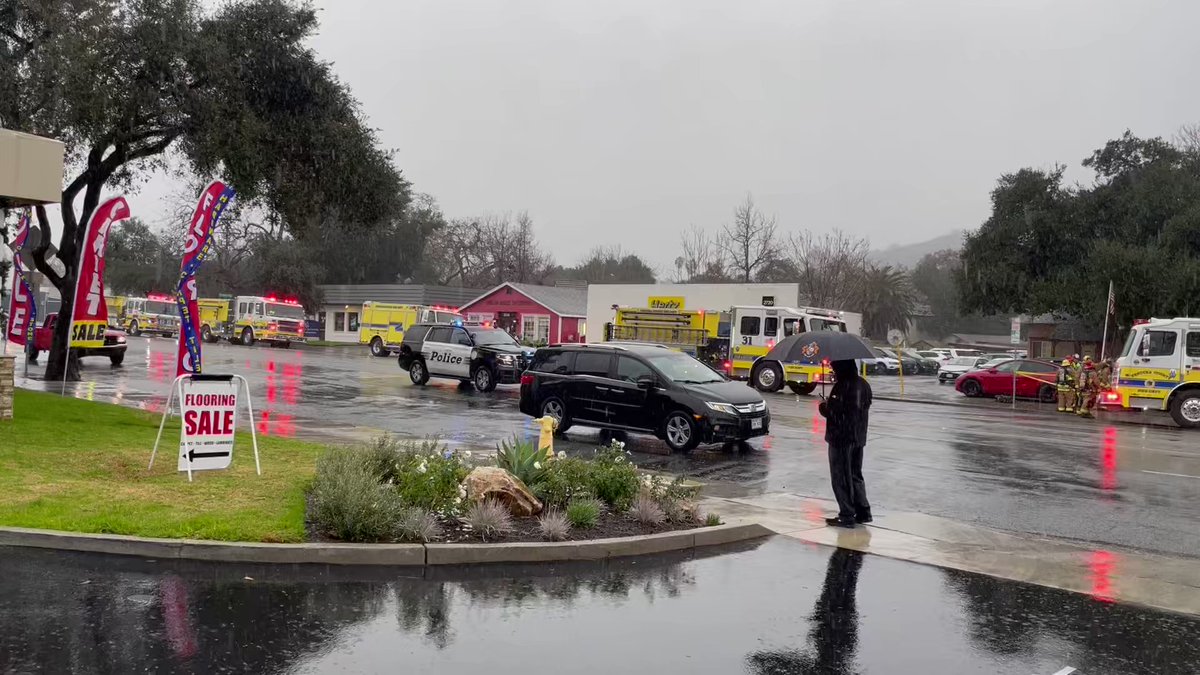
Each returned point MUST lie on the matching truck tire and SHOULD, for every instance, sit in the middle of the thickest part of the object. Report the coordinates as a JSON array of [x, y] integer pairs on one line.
[[417, 372], [768, 377], [802, 388], [134, 328], [117, 358], [377, 348], [206, 334], [1185, 409], [247, 337], [484, 378]]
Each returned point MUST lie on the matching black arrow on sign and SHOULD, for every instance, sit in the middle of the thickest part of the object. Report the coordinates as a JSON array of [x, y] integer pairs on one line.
[[192, 454]]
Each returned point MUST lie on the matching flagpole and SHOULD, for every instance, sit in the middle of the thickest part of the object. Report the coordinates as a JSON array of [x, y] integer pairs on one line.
[[1108, 303]]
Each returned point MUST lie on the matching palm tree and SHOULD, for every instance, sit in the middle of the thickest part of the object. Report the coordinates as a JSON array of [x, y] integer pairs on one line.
[[887, 300]]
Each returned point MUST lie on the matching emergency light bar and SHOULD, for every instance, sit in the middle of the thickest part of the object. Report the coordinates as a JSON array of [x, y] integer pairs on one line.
[[160, 297]]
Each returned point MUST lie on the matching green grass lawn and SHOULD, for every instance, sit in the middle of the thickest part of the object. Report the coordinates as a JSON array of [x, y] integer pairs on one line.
[[68, 464]]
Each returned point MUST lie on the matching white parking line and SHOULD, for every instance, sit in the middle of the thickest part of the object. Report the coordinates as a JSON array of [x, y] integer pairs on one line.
[[1066, 671], [1166, 473]]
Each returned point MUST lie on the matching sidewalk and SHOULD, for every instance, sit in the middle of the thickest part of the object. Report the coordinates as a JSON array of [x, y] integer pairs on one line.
[[1108, 575]]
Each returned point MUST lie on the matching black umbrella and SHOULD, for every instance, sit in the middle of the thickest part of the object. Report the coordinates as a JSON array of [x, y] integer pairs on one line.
[[820, 346]]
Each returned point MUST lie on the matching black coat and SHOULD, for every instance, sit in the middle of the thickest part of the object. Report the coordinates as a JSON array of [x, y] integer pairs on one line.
[[846, 412]]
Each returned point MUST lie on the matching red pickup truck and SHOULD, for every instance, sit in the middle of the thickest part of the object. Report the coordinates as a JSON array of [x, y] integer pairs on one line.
[[114, 342]]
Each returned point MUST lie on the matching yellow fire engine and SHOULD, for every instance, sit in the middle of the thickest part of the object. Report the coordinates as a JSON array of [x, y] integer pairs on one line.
[[248, 319], [155, 313], [116, 310], [382, 325], [1159, 369], [731, 340]]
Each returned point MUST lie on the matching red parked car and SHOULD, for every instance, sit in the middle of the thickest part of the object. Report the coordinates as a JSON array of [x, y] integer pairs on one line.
[[1035, 379], [114, 342]]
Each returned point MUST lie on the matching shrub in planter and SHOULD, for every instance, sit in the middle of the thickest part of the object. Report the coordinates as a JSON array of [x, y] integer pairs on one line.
[[349, 501], [431, 481], [584, 513], [522, 459], [613, 478], [564, 479]]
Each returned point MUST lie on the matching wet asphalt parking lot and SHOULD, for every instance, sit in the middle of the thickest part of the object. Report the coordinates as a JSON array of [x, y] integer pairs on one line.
[[768, 608]]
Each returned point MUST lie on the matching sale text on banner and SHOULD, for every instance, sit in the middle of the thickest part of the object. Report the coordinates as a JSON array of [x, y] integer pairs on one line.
[[196, 244], [89, 317], [209, 417]]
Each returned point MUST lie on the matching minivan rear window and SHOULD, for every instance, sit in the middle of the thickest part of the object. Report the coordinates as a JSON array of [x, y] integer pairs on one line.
[[558, 363], [592, 363]]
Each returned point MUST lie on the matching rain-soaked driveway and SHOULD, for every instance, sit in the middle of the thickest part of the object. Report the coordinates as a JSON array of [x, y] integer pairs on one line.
[[767, 608], [1025, 471]]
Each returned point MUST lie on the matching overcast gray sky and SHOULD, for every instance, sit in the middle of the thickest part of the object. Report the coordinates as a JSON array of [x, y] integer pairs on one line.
[[624, 121]]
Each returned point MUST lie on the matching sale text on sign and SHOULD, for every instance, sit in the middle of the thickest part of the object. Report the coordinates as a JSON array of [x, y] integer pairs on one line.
[[209, 419]]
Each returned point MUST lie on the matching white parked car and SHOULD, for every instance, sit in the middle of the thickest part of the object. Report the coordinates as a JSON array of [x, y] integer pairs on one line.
[[955, 366], [948, 353]]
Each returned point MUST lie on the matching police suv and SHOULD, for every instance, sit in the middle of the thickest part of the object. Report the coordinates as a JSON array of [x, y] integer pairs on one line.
[[483, 356]]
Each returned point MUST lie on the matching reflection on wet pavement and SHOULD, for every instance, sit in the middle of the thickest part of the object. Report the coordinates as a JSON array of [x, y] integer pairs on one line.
[[776, 607], [1116, 485]]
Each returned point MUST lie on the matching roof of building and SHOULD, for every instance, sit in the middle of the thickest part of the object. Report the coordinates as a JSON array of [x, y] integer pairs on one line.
[[400, 294], [562, 300], [969, 340]]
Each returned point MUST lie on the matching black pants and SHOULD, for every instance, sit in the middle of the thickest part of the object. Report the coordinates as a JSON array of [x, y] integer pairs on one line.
[[849, 489]]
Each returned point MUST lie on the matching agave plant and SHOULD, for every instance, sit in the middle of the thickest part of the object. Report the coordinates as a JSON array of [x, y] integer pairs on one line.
[[522, 459]]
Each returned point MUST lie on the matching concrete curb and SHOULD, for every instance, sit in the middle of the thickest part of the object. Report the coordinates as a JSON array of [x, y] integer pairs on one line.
[[408, 555]]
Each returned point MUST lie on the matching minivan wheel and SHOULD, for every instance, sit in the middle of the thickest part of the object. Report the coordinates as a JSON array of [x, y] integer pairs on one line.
[[417, 372], [377, 347], [484, 381], [554, 407], [679, 432]]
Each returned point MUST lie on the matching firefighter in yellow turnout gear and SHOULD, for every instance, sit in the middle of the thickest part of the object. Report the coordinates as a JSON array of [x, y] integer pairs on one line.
[[1066, 386], [1086, 389]]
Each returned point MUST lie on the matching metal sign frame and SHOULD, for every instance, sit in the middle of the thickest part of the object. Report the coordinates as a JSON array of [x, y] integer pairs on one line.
[[176, 386]]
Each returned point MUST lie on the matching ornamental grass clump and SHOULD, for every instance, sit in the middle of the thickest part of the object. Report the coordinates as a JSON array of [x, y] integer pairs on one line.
[[647, 511], [554, 525], [417, 525], [489, 519], [584, 513]]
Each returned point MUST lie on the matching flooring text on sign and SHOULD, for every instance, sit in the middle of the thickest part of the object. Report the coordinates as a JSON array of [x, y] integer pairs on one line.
[[209, 410]]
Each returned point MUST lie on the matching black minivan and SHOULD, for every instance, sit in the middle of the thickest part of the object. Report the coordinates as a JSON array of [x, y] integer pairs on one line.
[[643, 388]]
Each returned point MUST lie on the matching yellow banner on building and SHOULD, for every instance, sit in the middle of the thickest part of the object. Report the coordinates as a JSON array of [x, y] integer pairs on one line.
[[665, 302]]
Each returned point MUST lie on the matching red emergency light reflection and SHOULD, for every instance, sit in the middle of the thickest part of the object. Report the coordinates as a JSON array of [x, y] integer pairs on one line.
[[1108, 460], [1101, 565], [275, 424]]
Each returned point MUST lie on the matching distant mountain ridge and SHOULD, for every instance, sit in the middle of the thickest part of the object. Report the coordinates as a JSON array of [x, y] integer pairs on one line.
[[908, 255]]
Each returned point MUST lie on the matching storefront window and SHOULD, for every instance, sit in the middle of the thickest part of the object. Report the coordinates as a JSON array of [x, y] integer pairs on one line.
[[352, 322], [535, 329], [339, 321]]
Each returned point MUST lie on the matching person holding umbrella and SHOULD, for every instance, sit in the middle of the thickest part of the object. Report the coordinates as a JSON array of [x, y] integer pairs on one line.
[[846, 412], [846, 417]]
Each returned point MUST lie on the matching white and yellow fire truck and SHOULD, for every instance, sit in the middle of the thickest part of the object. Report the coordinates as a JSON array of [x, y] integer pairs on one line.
[[382, 325], [155, 313], [1159, 369], [248, 319], [732, 339]]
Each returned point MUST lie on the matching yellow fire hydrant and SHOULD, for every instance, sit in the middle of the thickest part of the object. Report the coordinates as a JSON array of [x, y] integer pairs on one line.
[[547, 426]]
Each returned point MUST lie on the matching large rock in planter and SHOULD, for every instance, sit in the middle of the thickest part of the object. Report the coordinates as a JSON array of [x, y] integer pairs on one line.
[[492, 481]]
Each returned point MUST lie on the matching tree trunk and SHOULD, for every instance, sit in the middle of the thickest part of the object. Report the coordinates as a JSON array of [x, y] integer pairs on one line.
[[56, 361]]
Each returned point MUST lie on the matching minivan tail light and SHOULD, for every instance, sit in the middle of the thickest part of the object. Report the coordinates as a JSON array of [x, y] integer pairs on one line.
[[526, 378]]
